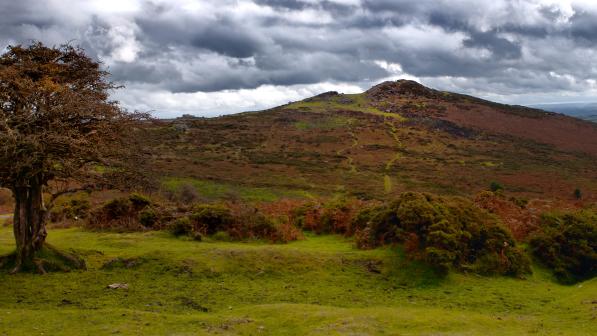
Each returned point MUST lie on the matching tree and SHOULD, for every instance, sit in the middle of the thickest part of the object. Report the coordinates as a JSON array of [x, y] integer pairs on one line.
[[496, 186], [56, 121], [577, 193]]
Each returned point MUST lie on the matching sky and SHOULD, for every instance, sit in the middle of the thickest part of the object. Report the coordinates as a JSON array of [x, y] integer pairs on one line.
[[215, 57]]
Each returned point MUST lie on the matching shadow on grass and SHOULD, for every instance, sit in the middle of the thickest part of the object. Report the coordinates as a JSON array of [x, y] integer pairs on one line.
[[48, 259], [411, 273]]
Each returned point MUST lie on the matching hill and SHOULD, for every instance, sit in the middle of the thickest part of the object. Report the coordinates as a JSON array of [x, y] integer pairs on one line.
[[394, 137]]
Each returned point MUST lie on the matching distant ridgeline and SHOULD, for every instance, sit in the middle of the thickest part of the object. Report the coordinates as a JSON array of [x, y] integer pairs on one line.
[[586, 111]]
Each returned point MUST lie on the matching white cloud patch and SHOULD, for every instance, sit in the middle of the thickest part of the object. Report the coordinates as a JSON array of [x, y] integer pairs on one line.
[[167, 104]]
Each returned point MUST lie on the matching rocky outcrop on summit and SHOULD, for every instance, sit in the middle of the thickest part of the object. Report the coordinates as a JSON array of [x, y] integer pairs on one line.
[[401, 88], [323, 96]]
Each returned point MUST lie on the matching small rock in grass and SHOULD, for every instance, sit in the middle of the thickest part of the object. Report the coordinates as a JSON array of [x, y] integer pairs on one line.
[[118, 286]]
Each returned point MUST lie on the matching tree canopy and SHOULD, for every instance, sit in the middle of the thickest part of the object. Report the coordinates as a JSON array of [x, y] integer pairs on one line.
[[56, 120]]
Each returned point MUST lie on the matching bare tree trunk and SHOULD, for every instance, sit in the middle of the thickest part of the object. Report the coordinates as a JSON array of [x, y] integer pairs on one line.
[[29, 224]]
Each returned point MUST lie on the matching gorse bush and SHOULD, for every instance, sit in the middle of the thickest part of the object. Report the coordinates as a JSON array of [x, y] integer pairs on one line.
[[181, 227], [234, 222], [139, 201], [209, 219], [567, 244], [376, 225], [70, 208], [132, 213], [251, 223], [116, 208], [447, 233], [148, 217]]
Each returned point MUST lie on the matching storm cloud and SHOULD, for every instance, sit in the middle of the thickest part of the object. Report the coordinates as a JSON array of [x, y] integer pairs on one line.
[[222, 56]]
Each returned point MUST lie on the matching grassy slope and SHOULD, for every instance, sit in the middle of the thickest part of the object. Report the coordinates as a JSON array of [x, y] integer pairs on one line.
[[318, 286]]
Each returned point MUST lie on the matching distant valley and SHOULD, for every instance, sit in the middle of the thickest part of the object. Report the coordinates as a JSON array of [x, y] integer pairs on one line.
[[587, 111]]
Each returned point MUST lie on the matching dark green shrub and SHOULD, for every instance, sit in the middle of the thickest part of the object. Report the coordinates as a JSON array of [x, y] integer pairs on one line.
[[445, 244], [181, 227], [259, 226], [210, 219], [496, 186], [567, 244], [233, 221], [447, 233], [250, 223], [117, 208], [139, 201], [577, 194], [132, 213], [377, 225], [222, 236], [148, 217], [74, 207], [512, 262]]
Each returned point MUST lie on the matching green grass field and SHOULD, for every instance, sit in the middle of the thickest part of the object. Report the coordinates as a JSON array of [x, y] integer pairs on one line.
[[317, 286]]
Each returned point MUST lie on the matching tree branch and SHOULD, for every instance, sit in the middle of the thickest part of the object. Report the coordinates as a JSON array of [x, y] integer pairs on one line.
[[54, 196]]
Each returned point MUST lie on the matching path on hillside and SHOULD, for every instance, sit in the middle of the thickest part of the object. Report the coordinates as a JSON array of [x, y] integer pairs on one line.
[[355, 143], [388, 185]]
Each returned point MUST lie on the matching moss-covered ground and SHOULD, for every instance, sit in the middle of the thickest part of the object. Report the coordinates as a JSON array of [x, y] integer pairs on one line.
[[318, 286]]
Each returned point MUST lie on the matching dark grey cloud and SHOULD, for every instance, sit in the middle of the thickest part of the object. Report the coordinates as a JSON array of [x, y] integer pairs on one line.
[[500, 47], [493, 47], [227, 40], [285, 4], [583, 28]]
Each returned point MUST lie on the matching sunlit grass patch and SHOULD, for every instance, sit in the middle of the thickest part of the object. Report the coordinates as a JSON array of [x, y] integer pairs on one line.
[[344, 102], [325, 123]]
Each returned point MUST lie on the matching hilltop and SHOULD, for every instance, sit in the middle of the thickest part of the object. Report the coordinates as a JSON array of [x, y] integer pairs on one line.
[[394, 137]]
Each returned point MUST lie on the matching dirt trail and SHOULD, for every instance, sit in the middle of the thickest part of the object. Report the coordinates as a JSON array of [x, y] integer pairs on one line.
[[388, 185], [355, 143]]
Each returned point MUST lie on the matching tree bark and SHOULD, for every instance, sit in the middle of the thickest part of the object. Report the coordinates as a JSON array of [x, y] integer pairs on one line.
[[29, 223]]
